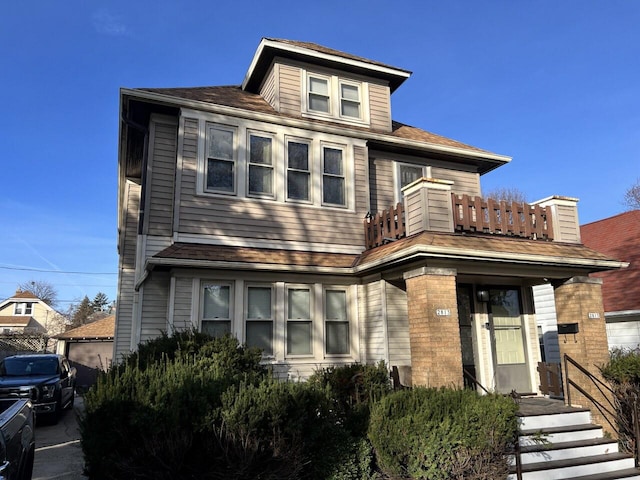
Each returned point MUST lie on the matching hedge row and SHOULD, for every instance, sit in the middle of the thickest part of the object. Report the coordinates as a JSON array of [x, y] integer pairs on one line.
[[191, 407]]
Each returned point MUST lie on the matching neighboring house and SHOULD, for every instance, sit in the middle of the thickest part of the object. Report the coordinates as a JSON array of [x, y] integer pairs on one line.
[[254, 210], [89, 348], [26, 313], [618, 237]]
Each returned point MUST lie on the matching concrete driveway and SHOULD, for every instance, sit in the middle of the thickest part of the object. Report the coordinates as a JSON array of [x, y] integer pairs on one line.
[[58, 451]]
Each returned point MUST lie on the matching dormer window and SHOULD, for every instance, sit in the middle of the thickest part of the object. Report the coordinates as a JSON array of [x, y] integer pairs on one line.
[[319, 100], [333, 98], [24, 308]]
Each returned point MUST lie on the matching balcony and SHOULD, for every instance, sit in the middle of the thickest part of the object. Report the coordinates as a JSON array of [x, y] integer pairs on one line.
[[429, 205]]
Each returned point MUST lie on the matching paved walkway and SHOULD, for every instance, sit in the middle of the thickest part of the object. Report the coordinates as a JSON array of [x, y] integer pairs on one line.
[[543, 406], [58, 451]]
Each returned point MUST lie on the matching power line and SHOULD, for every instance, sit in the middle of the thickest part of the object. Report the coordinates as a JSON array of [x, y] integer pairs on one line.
[[56, 271]]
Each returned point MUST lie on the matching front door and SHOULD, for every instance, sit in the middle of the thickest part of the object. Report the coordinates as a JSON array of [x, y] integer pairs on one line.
[[508, 339]]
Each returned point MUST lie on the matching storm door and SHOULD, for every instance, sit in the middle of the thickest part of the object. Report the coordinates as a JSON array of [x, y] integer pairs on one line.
[[508, 341], [465, 312]]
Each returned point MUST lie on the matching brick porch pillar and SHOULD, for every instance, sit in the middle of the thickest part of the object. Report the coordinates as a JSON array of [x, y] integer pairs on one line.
[[434, 334], [579, 301]]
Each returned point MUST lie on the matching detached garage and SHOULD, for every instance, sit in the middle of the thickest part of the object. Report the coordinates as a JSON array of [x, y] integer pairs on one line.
[[89, 348]]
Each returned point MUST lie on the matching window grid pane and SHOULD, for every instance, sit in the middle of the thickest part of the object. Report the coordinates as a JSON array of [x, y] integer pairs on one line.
[[216, 302], [260, 335], [333, 181], [298, 338], [298, 174], [337, 338], [259, 303], [350, 101], [260, 180], [318, 94], [215, 328]]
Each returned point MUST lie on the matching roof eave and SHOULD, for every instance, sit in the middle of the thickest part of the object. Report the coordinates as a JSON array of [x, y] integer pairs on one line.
[[268, 49]]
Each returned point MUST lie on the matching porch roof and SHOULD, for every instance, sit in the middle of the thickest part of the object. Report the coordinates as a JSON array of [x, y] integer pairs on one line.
[[426, 245]]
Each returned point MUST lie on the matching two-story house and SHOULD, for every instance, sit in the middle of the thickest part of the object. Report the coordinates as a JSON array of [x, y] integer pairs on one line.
[[257, 210], [26, 313]]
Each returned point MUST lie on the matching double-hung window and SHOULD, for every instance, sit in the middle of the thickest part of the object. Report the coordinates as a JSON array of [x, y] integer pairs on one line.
[[299, 322], [407, 173], [221, 159], [23, 308], [333, 177], [350, 105], [319, 94], [336, 322], [217, 301], [260, 165], [298, 171], [259, 317]]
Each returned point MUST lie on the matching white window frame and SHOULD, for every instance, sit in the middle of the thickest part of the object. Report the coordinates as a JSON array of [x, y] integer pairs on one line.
[[426, 172], [272, 166], [23, 308], [348, 321], [335, 113], [209, 126], [271, 318], [311, 320], [357, 85], [309, 144], [345, 175], [221, 283]]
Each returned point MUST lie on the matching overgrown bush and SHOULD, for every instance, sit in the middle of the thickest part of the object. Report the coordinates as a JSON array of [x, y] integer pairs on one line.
[[443, 434], [623, 374]]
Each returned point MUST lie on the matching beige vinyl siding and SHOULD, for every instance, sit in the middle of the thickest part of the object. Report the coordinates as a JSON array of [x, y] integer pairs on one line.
[[568, 223], [183, 296], [154, 306], [381, 183], [268, 87], [254, 219], [161, 178], [156, 244], [439, 210], [361, 179], [289, 90], [126, 280], [398, 326], [545, 308], [464, 183], [373, 338], [380, 107]]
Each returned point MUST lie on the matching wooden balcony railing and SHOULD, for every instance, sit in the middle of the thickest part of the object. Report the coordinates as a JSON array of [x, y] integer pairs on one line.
[[473, 214], [384, 227], [470, 215]]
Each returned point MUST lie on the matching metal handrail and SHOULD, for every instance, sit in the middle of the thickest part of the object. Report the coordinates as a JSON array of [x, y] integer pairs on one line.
[[474, 380], [606, 413]]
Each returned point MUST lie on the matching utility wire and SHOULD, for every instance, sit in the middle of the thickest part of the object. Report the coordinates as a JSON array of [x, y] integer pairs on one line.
[[56, 271]]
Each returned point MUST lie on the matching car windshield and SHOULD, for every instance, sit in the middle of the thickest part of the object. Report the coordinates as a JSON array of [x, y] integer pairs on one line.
[[18, 367]]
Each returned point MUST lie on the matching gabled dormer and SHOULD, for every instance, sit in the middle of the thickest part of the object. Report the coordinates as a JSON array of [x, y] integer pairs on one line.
[[310, 81]]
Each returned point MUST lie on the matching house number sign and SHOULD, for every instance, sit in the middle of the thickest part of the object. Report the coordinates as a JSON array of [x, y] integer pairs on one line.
[[594, 315], [443, 312]]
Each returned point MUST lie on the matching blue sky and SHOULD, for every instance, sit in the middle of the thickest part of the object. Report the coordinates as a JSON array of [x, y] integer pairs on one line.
[[555, 85]]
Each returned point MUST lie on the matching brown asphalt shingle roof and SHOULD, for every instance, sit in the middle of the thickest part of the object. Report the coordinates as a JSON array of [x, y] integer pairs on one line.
[[100, 329], [25, 294], [618, 236], [21, 320]]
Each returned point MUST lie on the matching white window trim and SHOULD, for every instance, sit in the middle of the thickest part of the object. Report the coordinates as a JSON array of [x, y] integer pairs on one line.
[[310, 151], [22, 307], [274, 157], [346, 174], [335, 110], [236, 170], [272, 319], [312, 319], [426, 172], [350, 320], [232, 307]]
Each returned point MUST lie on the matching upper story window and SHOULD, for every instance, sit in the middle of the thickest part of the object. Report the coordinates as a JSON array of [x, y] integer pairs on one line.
[[333, 179], [407, 173], [298, 171], [24, 308], [260, 165], [221, 159], [331, 97]]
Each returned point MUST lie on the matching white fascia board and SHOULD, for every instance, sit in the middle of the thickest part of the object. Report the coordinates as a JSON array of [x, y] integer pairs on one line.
[[310, 125], [387, 70]]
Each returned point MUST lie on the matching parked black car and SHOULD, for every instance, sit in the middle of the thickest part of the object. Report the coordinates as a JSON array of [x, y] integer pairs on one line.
[[46, 378]]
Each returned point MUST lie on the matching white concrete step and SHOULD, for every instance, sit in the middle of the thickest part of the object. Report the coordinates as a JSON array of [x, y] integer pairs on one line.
[[575, 467], [627, 474], [538, 422], [545, 452], [570, 433]]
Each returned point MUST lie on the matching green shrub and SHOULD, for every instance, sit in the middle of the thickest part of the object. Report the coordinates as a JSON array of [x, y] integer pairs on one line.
[[623, 373], [443, 434]]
